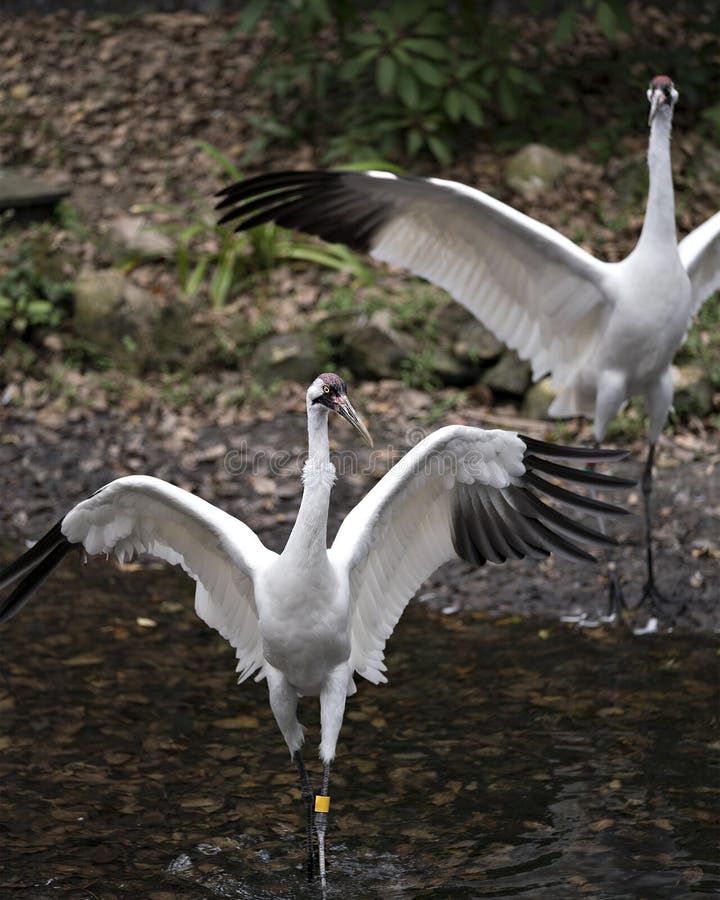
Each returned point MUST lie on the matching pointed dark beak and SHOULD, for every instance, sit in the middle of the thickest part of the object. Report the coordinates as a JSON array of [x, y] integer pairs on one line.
[[344, 408]]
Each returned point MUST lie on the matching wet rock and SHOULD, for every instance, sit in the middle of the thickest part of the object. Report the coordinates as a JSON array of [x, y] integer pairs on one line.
[[452, 370], [693, 391], [534, 169], [538, 398], [287, 357], [333, 326], [116, 317], [374, 349], [509, 375], [30, 200]]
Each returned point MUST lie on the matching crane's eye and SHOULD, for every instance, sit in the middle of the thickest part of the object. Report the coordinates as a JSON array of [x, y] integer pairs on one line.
[[326, 389]]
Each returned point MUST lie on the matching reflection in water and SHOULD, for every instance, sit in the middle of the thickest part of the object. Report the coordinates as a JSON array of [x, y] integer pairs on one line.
[[511, 759]]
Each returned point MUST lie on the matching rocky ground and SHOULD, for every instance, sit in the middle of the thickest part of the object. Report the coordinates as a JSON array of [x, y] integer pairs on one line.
[[114, 108]]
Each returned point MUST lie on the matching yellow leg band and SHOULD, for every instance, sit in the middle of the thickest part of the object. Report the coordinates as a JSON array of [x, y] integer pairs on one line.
[[322, 803]]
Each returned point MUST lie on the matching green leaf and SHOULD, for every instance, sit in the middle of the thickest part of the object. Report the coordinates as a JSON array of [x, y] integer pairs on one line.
[[384, 22], [607, 20], [351, 68], [385, 74], [217, 156], [565, 24], [622, 14], [467, 68], [366, 39], [413, 141], [335, 257], [371, 162], [471, 110], [321, 9], [429, 73], [402, 56], [440, 149], [490, 74], [437, 24], [508, 100], [453, 104], [250, 16], [185, 235], [221, 283], [517, 76], [193, 283], [405, 13], [479, 91], [431, 47], [408, 89]]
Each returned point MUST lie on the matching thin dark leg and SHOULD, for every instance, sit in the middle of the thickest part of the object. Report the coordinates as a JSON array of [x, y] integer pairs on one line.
[[308, 796], [616, 598], [322, 805], [650, 591]]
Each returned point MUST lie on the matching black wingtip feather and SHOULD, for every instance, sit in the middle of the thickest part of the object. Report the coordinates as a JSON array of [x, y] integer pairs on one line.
[[274, 180], [579, 476], [324, 203], [580, 501], [32, 581], [33, 556], [581, 454], [490, 525]]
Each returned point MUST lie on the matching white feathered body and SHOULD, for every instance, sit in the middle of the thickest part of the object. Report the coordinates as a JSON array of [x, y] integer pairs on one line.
[[304, 622], [637, 341]]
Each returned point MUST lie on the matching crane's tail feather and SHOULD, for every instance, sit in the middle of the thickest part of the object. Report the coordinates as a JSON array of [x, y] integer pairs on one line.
[[35, 565]]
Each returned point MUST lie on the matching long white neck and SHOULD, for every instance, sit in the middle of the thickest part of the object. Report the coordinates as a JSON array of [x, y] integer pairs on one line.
[[308, 539], [659, 226]]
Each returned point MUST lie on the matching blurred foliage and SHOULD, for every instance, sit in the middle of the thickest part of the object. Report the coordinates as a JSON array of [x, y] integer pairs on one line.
[[408, 78], [32, 295], [213, 260], [419, 78]]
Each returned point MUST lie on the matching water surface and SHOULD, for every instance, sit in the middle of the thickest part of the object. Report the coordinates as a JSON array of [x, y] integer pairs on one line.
[[512, 758]]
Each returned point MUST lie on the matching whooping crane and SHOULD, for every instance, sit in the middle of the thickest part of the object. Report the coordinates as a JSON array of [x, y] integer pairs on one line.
[[604, 331], [309, 618]]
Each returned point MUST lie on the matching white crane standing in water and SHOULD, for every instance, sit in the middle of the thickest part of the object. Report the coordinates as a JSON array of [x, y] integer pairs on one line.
[[310, 617], [604, 331]]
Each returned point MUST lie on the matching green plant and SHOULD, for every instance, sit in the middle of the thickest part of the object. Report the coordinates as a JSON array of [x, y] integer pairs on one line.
[[611, 15], [411, 77], [29, 297], [212, 258]]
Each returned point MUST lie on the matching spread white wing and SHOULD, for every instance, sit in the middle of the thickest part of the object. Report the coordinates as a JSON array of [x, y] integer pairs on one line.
[[700, 254], [534, 288], [141, 514], [461, 492]]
